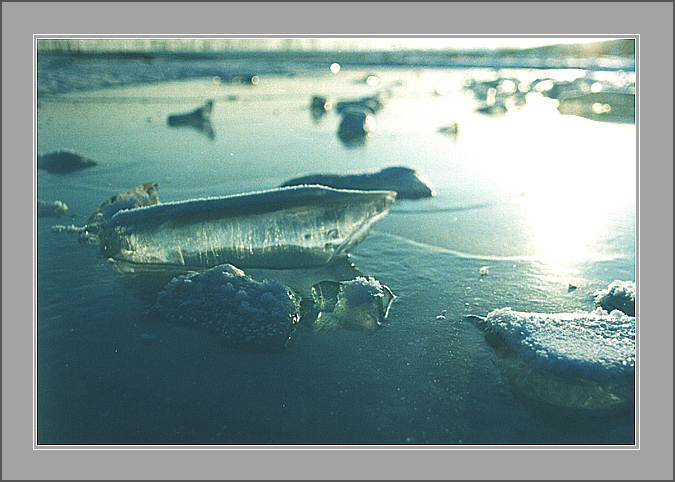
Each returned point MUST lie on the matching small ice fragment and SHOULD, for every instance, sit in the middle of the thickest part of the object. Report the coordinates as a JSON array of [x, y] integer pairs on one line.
[[619, 295], [406, 182], [361, 304], [484, 271], [199, 119], [55, 209], [320, 105], [143, 195], [280, 228], [357, 124], [72, 229], [263, 320], [451, 129]]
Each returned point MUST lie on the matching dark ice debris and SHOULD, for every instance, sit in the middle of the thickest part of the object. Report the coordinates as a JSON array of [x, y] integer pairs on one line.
[[243, 312], [406, 182], [199, 119], [63, 161], [451, 129], [357, 125], [319, 106], [55, 209], [372, 103], [358, 118]]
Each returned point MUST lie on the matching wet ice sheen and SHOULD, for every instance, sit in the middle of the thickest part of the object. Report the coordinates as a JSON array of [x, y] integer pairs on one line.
[[590, 345], [278, 228], [584, 362]]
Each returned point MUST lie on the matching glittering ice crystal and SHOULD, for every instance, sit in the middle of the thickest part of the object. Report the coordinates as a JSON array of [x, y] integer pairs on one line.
[[280, 228]]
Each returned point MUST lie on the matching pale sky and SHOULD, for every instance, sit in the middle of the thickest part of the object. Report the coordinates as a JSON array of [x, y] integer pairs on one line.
[[480, 42]]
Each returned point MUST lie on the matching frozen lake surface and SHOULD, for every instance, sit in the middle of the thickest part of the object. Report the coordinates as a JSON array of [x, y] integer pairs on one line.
[[544, 202]]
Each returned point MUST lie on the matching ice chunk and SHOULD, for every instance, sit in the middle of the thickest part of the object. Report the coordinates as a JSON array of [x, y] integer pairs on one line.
[[72, 229], [619, 295], [63, 161], [55, 209], [279, 228], [199, 119], [144, 195], [222, 300], [362, 304], [583, 361], [408, 183], [356, 126]]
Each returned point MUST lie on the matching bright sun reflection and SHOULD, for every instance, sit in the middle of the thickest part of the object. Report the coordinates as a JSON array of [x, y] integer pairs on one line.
[[568, 199]]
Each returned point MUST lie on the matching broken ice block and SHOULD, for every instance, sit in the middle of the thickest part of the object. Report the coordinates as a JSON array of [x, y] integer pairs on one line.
[[577, 361], [362, 304], [222, 300], [143, 195], [280, 228]]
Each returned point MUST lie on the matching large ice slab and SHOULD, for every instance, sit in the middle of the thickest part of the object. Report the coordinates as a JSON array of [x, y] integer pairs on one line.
[[279, 228], [589, 345], [582, 361], [243, 312]]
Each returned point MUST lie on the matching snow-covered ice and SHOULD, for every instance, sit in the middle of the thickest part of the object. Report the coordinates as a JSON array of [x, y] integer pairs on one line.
[[619, 295], [361, 303], [579, 361], [223, 300], [589, 345]]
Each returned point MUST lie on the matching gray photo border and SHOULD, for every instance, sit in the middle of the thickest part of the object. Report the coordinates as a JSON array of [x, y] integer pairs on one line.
[[652, 22]]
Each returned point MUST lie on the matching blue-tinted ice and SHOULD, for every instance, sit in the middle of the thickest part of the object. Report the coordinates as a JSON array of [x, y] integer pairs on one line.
[[224, 301], [361, 304], [280, 228], [581, 361]]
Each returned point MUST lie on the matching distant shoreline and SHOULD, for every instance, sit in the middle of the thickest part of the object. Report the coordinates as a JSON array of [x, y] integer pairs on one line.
[[507, 58]]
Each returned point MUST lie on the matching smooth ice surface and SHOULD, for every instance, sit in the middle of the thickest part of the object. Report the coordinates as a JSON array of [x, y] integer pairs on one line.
[[588, 345], [619, 295], [278, 228], [223, 300]]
